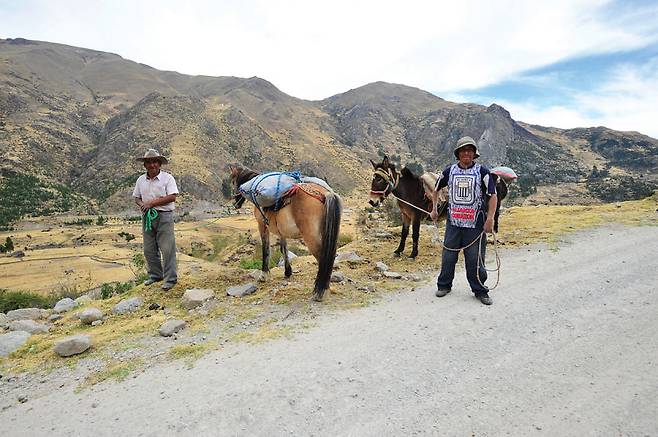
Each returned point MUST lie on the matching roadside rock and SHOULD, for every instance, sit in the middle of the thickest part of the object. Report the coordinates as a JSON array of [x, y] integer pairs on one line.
[[90, 315], [97, 322], [28, 326], [3, 320], [241, 290], [291, 256], [381, 267], [24, 314], [337, 277], [12, 341], [65, 305], [170, 327], [127, 305], [258, 275], [351, 257], [55, 317], [195, 297], [83, 300], [392, 275], [74, 345]]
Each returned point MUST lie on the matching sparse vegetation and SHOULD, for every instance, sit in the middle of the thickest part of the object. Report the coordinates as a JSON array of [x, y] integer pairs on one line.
[[110, 289], [24, 194], [13, 300]]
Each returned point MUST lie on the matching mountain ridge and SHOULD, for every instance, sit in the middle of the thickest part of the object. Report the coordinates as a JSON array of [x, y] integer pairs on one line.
[[76, 117]]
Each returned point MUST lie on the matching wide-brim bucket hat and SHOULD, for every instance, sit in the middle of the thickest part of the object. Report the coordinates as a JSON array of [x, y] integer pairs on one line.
[[153, 154], [463, 142]]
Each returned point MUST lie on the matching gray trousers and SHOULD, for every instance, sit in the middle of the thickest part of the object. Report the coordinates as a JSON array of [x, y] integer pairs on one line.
[[161, 241]]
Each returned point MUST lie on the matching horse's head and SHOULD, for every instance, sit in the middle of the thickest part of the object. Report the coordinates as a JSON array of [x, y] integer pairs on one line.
[[239, 176], [384, 181]]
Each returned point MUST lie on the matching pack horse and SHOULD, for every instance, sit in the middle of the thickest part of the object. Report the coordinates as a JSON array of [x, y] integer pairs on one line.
[[290, 206]]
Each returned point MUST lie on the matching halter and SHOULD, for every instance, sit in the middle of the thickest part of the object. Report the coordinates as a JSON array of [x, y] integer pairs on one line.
[[392, 178]]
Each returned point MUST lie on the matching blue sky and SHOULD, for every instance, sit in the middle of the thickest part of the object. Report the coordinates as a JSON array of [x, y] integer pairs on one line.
[[562, 63]]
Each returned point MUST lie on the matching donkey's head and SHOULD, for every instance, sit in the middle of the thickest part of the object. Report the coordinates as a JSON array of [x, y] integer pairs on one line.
[[384, 181]]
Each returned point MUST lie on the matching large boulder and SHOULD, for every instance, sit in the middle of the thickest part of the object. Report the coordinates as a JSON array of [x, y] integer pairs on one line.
[[170, 327], [12, 341], [195, 297], [127, 305], [90, 315], [28, 326], [74, 345], [24, 314], [65, 305], [3, 320]]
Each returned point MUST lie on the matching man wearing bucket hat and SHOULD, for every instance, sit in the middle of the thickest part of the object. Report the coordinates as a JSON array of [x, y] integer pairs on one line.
[[155, 193], [471, 194]]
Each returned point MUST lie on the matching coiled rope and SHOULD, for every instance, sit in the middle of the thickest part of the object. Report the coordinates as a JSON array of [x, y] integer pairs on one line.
[[150, 215]]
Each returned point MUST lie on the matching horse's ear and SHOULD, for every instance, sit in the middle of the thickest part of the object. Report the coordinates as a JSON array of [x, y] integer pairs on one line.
[[373, 164], [385, 162]]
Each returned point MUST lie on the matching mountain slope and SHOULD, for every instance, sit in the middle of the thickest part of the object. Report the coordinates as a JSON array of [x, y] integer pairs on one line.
[[78, 118]]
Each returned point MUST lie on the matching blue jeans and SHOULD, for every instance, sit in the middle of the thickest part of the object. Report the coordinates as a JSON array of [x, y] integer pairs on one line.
[[455, 238]]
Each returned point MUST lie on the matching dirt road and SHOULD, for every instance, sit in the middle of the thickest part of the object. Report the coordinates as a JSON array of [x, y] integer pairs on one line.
[[569, 348]]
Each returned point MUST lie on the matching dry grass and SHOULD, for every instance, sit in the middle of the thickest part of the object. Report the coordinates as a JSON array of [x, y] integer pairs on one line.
[[281, 306]]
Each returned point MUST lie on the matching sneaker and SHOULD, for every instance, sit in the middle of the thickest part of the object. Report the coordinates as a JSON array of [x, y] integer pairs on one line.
[[168, 286], [441, 291], [150, 281], [484, 298]]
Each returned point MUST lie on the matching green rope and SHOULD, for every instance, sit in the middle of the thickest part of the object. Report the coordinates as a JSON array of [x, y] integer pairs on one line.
[[150, 215]]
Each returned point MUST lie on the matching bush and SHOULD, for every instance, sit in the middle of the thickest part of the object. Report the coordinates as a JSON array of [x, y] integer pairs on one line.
[[110, 289], [13, 300]]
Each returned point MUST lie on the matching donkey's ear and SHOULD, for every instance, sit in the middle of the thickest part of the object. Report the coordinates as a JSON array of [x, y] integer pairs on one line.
[[373, 164], [385, 162]]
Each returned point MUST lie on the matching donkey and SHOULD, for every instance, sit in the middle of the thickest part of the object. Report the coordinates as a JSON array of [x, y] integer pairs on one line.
[[414, 197], [413, 194]]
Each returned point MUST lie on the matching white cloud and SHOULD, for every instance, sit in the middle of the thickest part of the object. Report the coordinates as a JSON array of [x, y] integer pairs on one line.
[[625, 100], [313, 49]]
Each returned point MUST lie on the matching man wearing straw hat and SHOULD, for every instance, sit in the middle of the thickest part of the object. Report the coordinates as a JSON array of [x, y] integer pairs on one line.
[[155, 193], [471, 206]]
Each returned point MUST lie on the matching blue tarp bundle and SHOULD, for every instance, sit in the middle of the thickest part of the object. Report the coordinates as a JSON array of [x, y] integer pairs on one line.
[[267, 189]]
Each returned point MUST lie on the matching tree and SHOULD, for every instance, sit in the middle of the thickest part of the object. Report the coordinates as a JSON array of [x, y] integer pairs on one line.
[[9, 245]]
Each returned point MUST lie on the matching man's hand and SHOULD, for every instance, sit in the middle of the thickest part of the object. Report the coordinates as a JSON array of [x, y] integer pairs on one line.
[[488, 225], [145, 206]]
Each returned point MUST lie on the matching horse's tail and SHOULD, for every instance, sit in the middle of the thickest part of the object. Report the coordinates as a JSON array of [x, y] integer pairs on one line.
[[330, 230]]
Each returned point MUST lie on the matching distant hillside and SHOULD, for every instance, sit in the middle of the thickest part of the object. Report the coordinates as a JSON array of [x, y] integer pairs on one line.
[[75, 119]]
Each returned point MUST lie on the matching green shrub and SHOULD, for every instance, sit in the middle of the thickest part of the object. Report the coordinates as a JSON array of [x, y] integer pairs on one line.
[[110, 289], [13, 300]]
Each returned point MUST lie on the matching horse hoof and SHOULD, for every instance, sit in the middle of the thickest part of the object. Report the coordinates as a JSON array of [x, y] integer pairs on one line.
[[316, 298], [413, 255], [396, 254]]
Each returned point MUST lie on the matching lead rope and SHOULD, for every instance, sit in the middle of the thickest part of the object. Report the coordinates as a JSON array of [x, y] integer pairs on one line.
[[478, 238], [150, 215]]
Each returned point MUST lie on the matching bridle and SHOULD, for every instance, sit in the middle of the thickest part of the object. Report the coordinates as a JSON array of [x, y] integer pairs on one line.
[[391, 177]]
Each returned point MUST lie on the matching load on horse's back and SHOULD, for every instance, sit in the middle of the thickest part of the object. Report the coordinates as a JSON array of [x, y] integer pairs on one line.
[[291, 206]]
